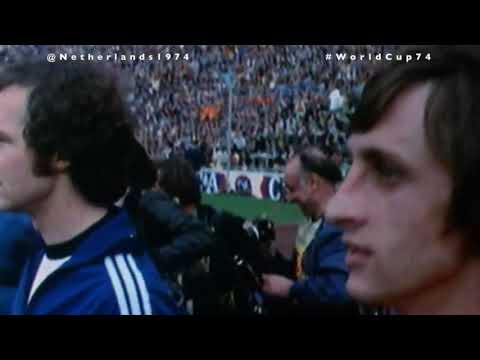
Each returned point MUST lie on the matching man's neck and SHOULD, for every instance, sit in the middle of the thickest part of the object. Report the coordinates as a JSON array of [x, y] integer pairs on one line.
[[63, 215], [319, 210], [316, 217], [459, 295]]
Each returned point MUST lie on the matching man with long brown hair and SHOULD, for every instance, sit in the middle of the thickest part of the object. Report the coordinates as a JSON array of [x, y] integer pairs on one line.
[[409, 205]]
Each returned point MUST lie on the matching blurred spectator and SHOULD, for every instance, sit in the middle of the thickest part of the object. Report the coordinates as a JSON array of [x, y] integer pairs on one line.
[[336, 100]]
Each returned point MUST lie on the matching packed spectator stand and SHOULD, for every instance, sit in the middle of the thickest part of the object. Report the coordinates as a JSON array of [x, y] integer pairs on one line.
[[284, 97]]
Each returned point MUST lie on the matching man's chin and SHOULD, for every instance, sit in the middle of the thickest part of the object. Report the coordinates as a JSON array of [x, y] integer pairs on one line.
[[364, 292]]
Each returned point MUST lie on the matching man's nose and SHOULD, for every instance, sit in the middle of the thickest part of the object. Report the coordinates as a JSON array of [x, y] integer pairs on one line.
[[345, 208]]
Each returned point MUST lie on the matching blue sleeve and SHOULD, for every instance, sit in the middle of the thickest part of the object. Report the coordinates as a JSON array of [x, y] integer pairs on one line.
[[327, 285], [167, 302], [7, 297], [106, 305], [157, 295]]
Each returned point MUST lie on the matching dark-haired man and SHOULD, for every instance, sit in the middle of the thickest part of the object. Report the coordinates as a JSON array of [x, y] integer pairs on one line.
[[409, 205], [66, 155]]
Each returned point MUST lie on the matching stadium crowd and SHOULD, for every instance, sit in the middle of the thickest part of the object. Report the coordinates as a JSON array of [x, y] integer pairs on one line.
[[284, 97]]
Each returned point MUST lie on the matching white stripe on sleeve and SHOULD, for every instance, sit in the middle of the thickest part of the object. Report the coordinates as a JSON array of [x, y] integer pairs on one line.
[[141, 284], [117, 287], [129, 284]]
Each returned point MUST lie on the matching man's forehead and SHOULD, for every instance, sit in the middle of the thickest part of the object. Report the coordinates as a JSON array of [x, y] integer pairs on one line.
[[13, 99], [292, 164], [292, 169], [15, 95], [13, 112]]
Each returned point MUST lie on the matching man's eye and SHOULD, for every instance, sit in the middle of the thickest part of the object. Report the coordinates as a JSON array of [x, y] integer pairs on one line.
[[386, 173]]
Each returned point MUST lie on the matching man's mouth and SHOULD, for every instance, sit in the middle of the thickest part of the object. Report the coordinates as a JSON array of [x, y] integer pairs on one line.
[[357, 256]]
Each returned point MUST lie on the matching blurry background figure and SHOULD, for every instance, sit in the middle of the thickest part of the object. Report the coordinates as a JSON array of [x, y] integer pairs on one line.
[[316, 283], [16, 244], [221, 274]]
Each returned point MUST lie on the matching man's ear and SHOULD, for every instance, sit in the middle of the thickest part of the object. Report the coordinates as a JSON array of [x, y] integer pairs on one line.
[[314, 181], [318, 182], [59, 165]]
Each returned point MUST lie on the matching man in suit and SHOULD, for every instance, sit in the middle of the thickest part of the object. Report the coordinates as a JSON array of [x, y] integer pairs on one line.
[[318, 280]]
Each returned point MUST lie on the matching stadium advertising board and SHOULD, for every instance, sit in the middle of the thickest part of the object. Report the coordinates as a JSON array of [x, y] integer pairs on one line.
[[258, 184]]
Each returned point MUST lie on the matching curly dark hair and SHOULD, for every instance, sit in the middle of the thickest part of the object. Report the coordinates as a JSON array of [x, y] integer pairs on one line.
[[76, 112]]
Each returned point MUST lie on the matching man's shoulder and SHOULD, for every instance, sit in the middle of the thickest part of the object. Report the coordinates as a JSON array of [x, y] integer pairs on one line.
[[119, 284], [137, 287], [329, 231], [329, 239]]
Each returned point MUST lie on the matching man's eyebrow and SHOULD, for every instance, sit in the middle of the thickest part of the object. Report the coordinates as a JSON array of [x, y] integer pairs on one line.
[[4, 136], [375, 155]]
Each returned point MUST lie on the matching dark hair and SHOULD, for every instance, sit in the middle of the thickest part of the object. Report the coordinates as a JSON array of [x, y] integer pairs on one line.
[[177, 178], [76, 111], [314, 161], [451, 119]]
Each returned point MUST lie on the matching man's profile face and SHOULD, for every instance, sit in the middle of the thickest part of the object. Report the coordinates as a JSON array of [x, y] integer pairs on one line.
[[393, 207], [297, 188], [20, 189]]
